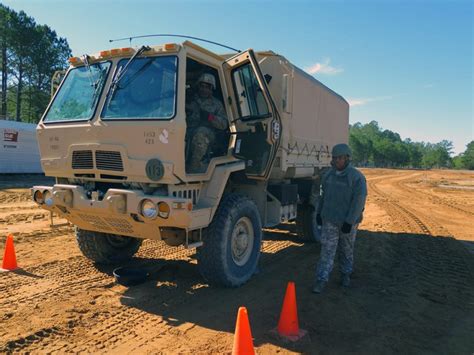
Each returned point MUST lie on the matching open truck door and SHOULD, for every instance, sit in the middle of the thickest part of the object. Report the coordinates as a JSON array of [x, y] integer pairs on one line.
[[257, 120]]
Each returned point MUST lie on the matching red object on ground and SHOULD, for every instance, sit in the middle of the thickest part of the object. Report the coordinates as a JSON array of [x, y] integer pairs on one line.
[[243, 342], [9, 257], [288, 326]]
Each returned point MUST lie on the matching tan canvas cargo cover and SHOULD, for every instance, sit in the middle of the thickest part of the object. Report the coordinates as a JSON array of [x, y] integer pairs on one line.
[[314, 118]]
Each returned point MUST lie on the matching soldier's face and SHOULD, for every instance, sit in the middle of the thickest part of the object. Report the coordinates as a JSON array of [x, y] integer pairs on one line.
[[340, 162], [205, 90]]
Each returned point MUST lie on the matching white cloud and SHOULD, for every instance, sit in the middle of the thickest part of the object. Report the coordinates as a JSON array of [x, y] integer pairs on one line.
[[364, 101], [357, 102], [323, 68]]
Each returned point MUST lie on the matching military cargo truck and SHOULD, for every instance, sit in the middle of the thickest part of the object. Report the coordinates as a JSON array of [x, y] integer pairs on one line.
[[117, 137]]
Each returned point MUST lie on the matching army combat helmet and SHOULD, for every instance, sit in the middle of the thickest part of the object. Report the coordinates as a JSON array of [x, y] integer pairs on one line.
[[341, 149], [208, 79]]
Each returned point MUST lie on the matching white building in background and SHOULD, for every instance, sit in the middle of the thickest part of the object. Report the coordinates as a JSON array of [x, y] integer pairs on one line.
[[18, 148]]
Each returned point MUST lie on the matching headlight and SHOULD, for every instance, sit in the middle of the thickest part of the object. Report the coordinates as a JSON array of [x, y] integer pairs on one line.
[[163, 210], [48, 198], [148, 209], [38, 197]]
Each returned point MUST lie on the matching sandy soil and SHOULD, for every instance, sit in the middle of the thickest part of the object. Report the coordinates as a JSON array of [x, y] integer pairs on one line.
[[413, 287]]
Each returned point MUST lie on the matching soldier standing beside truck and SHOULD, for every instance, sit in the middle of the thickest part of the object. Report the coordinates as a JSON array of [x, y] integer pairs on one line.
[[339, 212]]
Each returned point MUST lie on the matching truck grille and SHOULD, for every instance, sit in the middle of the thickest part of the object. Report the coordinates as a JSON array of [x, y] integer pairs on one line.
[[191, 194], [108, 160], [104, 160], [82, 159]]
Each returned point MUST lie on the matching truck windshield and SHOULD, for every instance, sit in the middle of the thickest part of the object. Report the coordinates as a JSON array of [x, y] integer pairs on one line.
[[147, 90], [79, 94]]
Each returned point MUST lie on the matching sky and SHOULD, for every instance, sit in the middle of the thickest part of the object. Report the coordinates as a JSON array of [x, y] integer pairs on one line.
[[406, 64]]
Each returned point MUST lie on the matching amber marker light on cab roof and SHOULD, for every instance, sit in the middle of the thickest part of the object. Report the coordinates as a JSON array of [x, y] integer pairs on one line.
[[104, 54], [170, 46], [74, 60]]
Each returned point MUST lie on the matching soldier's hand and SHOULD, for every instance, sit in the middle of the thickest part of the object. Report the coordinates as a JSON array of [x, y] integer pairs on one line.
[[346, 228], [319, 220]]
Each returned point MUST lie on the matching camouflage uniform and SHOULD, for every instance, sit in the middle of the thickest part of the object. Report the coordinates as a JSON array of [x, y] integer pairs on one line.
[[332, 236], [207, 115], [340, 208]]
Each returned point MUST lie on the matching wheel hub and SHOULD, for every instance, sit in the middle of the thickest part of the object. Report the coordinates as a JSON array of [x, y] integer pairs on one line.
[[242, 241]]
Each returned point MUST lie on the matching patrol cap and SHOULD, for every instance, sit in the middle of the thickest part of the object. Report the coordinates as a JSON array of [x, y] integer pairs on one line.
[[208, 79], [341, 149]]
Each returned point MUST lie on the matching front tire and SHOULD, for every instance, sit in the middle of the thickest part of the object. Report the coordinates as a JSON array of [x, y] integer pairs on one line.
[[231, 249], [103, 248]]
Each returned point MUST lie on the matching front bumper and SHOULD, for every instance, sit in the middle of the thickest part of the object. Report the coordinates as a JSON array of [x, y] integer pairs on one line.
[[118, 211]]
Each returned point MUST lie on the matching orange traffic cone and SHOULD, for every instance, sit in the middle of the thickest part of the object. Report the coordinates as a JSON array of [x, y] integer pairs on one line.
[[288, 326], [243, 342], [9, 257]]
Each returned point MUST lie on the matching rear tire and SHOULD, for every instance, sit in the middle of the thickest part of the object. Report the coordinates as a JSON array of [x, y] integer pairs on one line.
[[103, 248], [306, 226], [231, 249]]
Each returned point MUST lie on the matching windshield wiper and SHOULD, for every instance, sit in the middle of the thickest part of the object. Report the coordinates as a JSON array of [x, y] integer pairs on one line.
[[136, 74], [85, 57], [121, 72], [98, 84]]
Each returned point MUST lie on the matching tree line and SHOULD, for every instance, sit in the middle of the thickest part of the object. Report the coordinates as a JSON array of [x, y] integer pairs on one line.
[[30, 54], [373, 146]]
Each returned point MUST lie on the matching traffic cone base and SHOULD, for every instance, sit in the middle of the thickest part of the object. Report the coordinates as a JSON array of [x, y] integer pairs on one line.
[[9, 257], [243, 342], [292, 338]]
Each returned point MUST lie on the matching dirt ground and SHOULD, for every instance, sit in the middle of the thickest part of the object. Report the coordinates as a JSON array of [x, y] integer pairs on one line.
[[413, 286]]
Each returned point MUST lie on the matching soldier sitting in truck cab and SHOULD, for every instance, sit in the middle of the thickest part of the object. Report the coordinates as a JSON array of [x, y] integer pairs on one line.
[[206, 119]]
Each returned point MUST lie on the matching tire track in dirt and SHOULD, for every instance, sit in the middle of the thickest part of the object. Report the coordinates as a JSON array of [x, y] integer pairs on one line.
[[432, 266], [155, 249], [16, 218], [129, 324], [65, 230], [67, 276], [14, 196], [425, 222], [70, 275], [28, 206], [53, 281], [434, 261], [425, 195], [35, 339], [396, 212], [11, 281], [132, 326], [150, 320]]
